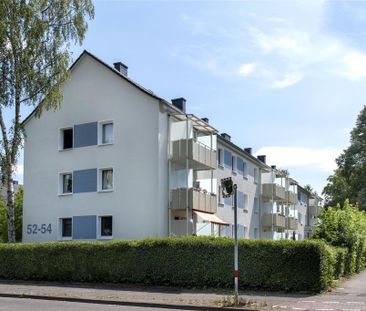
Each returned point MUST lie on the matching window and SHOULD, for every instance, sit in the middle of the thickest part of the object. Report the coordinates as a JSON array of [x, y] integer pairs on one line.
[[220, 157], [107, 133], [245, 170], [67, 139], [255, 233], [227, 159], [106, 226], [106, 179], [220, 196], [246, 202], [256, 206], [255, 175], [66, 227], [66, 183], [233, 163]]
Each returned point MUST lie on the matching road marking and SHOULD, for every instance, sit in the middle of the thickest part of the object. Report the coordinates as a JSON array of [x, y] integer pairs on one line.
[[351, 309], [330, 301], [293, 308], [307, 301], [356, 302], [324, 309]]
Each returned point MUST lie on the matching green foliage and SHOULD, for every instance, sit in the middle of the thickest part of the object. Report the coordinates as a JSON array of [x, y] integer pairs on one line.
[[18, 211], [345, 227], [186, 262], [35, 37], [349, 179]]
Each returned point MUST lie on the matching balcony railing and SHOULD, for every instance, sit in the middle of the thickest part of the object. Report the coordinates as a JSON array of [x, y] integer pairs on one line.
[[291, 223], [291, 197], [278, 220], [200, 156], [275, 191], [314, 210], [197, 200]]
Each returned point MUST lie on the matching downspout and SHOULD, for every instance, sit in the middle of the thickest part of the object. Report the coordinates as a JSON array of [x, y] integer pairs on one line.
[[187, 180], [260, 203], [272, 213], [169, 173]]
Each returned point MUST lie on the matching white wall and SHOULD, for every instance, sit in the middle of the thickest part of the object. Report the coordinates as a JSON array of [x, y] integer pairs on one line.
[[138, 156]]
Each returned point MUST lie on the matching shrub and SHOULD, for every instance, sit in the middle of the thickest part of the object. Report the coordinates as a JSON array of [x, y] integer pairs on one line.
[[340, 254], [186, 262]]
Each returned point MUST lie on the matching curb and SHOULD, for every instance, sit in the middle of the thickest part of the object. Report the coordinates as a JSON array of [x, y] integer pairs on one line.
[[122, 303]]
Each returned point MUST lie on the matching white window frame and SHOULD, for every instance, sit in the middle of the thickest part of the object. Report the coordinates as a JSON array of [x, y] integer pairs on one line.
[[61, 138], [221, 157], [99, 228], [100, 132], [59, 229], [255, 175], [233, 163], [61, 183], [100, 179], [245, 169]]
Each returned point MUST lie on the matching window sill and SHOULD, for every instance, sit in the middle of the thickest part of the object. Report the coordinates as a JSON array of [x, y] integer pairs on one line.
[[65, 239], [62, 150], [105, 237], [106, 190], [65, 194], [106, 144]]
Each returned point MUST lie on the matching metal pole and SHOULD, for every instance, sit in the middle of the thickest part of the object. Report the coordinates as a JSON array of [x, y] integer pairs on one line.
[[236, 273]]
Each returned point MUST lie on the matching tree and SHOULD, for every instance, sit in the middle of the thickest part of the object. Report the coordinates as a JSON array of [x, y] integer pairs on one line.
[[35, 38], [349, 179], [310, 189], [18, 213]]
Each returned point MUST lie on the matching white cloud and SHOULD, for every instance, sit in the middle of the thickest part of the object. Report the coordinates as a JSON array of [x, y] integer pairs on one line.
[[274, 51], [287, 157], [246, 69]]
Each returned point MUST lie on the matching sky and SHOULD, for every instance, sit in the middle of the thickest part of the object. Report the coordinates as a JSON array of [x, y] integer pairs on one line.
[[286, 78]]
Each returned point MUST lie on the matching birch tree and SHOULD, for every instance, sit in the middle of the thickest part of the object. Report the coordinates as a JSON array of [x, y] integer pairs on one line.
[[35, 41]]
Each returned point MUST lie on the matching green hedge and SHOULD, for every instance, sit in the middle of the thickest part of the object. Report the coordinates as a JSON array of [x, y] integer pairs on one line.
[[341, 256], [186, 262]]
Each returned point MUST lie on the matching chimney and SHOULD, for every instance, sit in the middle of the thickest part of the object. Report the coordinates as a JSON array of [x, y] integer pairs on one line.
[[273, 167], [226, 136], [205, 120], [121, 68], [262, 158], [179, 103], [249, 150]]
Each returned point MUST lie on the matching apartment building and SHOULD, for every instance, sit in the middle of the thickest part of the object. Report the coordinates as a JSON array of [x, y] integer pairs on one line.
[[314, 209], [116, 161]]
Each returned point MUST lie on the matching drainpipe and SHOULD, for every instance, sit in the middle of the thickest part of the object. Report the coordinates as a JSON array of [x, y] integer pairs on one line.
[[187, 180], [169, 173], [260, 204], [272, 202]]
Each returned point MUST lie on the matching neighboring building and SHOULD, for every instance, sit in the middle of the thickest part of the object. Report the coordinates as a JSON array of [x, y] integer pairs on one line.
[[118, 162], [314, 208]]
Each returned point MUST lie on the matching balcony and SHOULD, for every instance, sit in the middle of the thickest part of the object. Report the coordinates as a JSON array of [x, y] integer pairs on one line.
[[278, 221], [197, 200], [278, 192], [291, 223], [314, 210], [291, 197], [200, 156]]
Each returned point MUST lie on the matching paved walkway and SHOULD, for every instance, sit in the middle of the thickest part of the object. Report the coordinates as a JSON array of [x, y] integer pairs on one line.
[[350, 296]]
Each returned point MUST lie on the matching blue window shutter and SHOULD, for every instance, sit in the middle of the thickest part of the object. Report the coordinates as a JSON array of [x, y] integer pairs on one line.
[[227, 159], [239, 166], [240, 231], [228, 201], [85, 181], [85, 134], [84, 227], [240, 199]]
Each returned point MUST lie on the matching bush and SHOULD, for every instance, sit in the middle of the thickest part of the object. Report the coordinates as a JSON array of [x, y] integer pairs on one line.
[[345, 227], [186, 262], [341, 255]]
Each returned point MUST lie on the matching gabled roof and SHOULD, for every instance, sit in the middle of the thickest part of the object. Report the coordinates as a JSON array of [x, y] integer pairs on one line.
[[140, 87]]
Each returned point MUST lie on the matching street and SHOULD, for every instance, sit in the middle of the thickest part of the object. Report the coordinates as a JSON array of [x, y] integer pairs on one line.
[[20, 304]]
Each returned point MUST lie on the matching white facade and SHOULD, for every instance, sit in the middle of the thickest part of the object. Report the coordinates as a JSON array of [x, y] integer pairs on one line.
[[138, 157], [118, 162]]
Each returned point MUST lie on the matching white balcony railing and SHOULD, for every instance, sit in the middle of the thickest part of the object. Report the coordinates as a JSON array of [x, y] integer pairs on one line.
[[197, 200]]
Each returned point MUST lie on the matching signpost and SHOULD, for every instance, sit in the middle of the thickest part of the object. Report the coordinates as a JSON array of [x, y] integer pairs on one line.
[[229, 189]]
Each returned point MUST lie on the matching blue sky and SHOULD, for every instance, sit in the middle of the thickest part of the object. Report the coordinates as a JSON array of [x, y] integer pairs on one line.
[[284, 77]]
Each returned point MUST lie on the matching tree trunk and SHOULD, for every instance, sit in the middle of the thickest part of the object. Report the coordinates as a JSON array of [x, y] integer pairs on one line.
[[10, 205]]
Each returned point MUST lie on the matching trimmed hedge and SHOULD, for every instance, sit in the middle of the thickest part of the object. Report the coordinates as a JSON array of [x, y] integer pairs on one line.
[[186, 262]]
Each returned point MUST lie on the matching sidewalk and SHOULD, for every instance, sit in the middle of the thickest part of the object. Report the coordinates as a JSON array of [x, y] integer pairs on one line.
[[160, 297]]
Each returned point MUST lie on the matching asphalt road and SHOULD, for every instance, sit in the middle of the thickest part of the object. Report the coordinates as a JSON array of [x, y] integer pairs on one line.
[[20, 304]]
